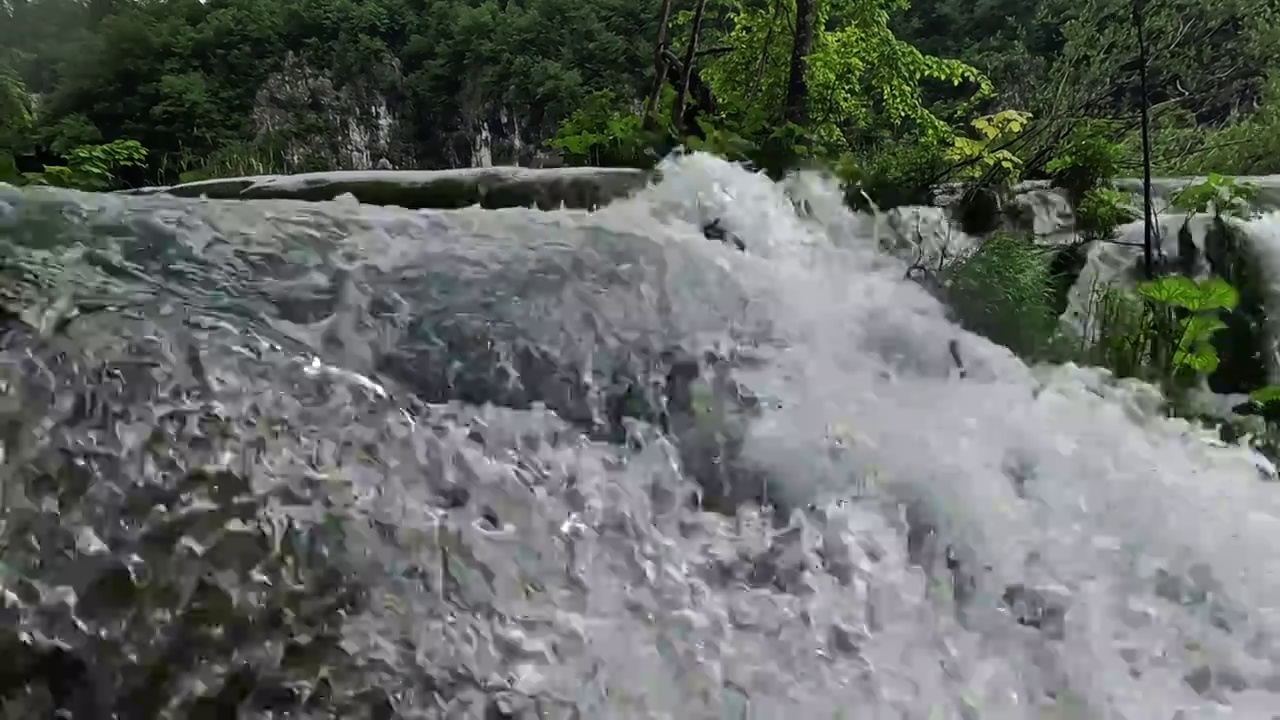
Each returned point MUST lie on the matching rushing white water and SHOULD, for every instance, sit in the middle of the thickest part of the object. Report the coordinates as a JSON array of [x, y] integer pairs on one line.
[[1055, 478], [1011, 543]]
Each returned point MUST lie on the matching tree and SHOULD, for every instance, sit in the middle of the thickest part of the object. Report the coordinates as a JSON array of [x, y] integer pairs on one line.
[[886, 83], [660, 51], [1148, 219], [686, 74], [15, 122], [1208, 63], [859, 80], [795, 106]]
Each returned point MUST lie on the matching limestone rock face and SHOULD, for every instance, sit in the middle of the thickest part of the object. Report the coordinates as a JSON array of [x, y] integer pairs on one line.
[[314, 121], [958, 221], [1046, 213]]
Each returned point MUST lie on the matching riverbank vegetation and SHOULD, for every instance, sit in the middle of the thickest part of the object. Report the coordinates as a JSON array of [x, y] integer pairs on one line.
[[900, 95]]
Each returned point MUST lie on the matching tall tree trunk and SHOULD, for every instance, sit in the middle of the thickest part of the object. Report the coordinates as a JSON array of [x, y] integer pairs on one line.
[[677, 114], [796, 107], [659, 68], [1148, 222]]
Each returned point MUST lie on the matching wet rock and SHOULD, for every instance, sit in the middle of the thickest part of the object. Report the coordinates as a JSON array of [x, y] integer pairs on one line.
[[978, 211], [1210, 682], [1045, 213], [708, 413], [847, 640], [351, 122], [492, 187], [1039, 608], [715, 231]]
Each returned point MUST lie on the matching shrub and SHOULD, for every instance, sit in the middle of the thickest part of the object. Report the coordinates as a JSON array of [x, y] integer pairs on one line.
[[1004, 291], [1087, 160]]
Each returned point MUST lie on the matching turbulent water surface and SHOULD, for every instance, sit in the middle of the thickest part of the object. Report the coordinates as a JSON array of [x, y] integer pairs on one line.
[[316, 460]]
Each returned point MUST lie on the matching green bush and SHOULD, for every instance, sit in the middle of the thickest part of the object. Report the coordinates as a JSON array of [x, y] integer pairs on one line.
[[1088, 159], [1100, 211], [896, 173], [90, 167], [602, 131], [1004, 291], [1224, 196], [1162, 332], [1121, 333]]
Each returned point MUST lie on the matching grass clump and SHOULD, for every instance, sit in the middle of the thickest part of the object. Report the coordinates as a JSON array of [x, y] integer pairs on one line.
[[1005, 291]]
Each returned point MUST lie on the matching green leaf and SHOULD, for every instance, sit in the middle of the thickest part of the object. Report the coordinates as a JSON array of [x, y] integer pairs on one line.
[[1264, 395], [1175, 290], [1199, 328], [1203, 359], [1217, 294], [1183, 292]]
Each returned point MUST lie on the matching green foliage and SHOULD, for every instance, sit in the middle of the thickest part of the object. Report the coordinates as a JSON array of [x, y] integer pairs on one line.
[[1166, 332], [1192, 331], [902, 173], [1225, 196], [603, 132], [187, 79], [1123, 336], [1246, 143], [863, 80], [237, 159], [1265, 395], [1260, 427], [92, 167], [84, 167], [1086, 160], [1163, 332], [1084, 165], [988, 151], [67, 133], [1213, 77], [893, 87], [184, 77], [16, 110], [9, 172], [785, 148], [16, 118], [1004, 291], [1101, 211]]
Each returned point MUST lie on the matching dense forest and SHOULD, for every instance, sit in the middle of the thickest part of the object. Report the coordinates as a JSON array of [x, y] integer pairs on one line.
[[125, 92]]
